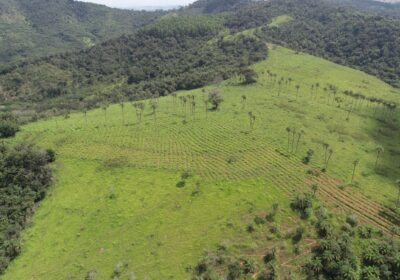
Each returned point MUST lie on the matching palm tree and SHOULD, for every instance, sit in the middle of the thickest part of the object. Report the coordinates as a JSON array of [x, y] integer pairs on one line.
[[297, 91], [206, 101], [122, 105], [316, 89], [326, 147], [355, 164], [104, 108], [379, 151], [398, 196], [293, 136], [279, 87], [244, 98], [55, 117], [85, 114], [252, 118], [330, 153], [301, 133], [194, 109], [288, 130], [154, 107]]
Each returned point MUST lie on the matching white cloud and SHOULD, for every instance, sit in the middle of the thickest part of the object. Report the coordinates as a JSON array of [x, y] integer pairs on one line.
[[132, 3]]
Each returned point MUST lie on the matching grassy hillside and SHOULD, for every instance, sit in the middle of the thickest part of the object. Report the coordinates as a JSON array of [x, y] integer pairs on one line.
[[119, 197], [35, 28]]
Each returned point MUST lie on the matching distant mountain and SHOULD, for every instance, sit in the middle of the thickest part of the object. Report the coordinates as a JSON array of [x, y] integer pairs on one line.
[[34, 28], [217, 6], [153, 8], [387, 8]]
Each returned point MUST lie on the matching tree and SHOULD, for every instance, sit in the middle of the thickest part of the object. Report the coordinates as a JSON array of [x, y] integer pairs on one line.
[[249, 76], [215, 98], [288, 130], [193, 104], [379, 151], [297, 91], [398, 196], [330, 153], [206, 101], [244, 99], [154, 106], [85, 114], [355, 164], [252, 119], [104, 108], [122, 105], [299, 135]]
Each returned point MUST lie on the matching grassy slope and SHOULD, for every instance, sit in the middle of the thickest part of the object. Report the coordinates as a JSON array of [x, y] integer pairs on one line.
[[159, 229]]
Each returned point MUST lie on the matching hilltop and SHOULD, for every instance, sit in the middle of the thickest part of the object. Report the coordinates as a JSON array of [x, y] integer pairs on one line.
[[37, 28]]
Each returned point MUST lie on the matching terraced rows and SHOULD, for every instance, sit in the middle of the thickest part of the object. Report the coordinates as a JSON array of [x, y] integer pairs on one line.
[[206, 148]]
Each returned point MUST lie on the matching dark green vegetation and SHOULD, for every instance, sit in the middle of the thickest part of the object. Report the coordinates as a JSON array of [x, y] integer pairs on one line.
[[320, 246], [175, 53], [345, 36], [24, 177], [34, 28]]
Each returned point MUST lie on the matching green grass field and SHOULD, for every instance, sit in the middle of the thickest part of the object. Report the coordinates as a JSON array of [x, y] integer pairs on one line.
[[116, 197]]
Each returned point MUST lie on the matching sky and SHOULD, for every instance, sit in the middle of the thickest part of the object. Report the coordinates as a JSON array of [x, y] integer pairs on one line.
[[138, 3]]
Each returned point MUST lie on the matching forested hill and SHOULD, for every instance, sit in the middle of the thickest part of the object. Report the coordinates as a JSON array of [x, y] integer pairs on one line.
[[346, 36], [173, 54], [213, 6], [32, 28]]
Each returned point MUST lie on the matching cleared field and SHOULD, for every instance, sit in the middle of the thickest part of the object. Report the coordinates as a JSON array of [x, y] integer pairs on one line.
[[117, 199]]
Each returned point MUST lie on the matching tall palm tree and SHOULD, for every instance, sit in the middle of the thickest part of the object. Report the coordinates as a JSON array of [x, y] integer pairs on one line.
[[244, 98], [252, 118], [326, 147], [355, 164], [379, 151], [85, 114], [299, 135], [122, 105], [330, 153], [398, 196], [194, 109], [288, 130], [154, 107], [206, 101], [297, 91], [104, 108]]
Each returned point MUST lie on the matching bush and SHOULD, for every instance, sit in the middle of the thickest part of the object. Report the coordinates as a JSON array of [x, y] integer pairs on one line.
[[308, 157], [181, 184], [302, 204], [352, 220], [8, 129]]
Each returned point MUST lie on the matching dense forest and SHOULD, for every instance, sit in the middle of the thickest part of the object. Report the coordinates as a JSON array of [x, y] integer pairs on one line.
[[25, 175], [175, 53], [34, 28], [370, 43]]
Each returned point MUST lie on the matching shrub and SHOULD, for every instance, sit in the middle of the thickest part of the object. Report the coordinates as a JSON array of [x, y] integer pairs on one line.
[[91, 275], [302, 204], [51, 155], [181, 184], [308, 157], [185, 175], [352, 220], [8, 129], [258, 220], [298, 235], [270, 256]]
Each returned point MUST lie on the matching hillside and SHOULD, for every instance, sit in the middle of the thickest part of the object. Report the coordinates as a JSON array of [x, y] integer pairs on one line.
[[172, 54], [144, 193], [347, 36], [124, 68], [36, 28]]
